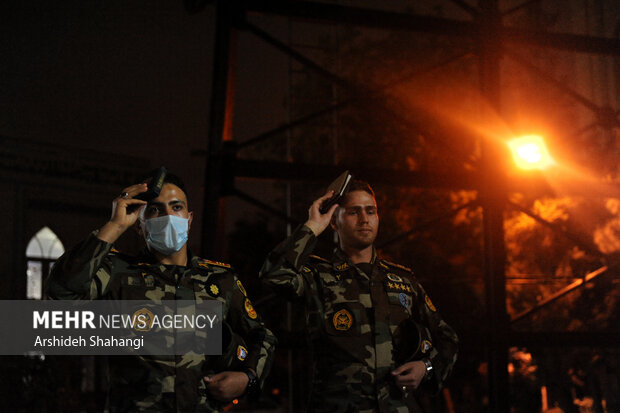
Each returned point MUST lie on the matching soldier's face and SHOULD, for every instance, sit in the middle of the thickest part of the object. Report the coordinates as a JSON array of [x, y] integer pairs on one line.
[[171, 201], [356, 220]]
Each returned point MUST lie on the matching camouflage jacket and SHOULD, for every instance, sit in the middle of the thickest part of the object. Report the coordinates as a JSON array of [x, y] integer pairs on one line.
[[94, 270], [353, 317]]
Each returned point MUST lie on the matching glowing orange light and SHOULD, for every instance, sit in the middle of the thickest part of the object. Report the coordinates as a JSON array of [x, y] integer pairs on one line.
[[235, 401], [275, 391], [530, 152]]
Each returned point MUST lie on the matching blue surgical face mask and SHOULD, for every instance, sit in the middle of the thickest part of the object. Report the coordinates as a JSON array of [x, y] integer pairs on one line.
[[166, 234]]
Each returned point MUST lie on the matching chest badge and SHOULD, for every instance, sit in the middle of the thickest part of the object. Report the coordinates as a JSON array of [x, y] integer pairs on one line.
[[404, 300], [143, 319], [249, 309], [342, 266], [394, 277], [343, 320]]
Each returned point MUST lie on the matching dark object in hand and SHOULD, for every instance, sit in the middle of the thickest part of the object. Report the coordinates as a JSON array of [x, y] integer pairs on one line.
[[339, 186], [155, 183], [412, 341]]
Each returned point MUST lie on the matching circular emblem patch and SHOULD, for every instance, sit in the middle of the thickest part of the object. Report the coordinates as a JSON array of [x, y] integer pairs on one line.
[[249, 309], [343, 320], [394, 277], [404, 300], [241, 288], [242, 353], [142, 320], [214, 290], [429, 303]]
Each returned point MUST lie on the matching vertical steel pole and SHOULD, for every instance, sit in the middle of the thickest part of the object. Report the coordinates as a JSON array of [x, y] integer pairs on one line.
[[220, 127], [493, 198]]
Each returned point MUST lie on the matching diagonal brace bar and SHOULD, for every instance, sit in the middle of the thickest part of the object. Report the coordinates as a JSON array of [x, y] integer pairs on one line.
[[555, 227], [572, 286], [427, 224]]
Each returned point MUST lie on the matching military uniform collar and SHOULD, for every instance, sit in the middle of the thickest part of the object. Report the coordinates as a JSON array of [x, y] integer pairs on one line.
[[147, 259], [341, 262]]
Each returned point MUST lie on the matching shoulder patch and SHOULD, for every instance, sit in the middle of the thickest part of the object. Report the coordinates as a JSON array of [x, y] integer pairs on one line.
[[429, 303], [249, 309], [240, 286], [316, 257], [391, 264], [216, 263]]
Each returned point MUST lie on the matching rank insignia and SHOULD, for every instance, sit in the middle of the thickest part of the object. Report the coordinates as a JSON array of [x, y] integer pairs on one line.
[[316, 257], [343, 320], [214, 290], [342, 266], [202, 264], [249, 309], [404, 300], [402, 267], [218, 263], [242, 353], [394, 277], [429, 303], [426, 346], [241, 288]]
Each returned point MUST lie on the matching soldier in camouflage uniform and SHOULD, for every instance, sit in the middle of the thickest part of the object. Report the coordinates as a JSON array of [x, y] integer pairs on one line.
[[165, 271], [357, 307]]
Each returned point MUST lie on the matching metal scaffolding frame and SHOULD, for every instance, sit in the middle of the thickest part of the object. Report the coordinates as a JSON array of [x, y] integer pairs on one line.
[[486, 29]]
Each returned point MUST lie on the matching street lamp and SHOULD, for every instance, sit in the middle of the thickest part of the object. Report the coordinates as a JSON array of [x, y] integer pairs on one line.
[[530, 152]]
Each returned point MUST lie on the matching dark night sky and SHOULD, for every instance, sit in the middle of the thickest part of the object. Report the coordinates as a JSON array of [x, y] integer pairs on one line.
[[129, 77], [134, 77]]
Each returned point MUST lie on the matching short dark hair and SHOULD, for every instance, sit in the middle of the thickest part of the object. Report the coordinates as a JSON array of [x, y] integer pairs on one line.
[[170, 178], [175, 180], [359, 185]]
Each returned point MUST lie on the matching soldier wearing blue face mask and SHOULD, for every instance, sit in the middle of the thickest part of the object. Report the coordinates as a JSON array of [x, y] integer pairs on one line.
[[166, 270]]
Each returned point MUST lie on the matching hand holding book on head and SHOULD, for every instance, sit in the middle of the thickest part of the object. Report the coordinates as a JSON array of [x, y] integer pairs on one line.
[[322, 209], [339, 186]]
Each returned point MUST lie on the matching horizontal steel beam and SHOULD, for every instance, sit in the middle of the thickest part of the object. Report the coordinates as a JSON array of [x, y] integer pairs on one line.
[[242, 168], [381, 19], [565, 338], [289, 171]]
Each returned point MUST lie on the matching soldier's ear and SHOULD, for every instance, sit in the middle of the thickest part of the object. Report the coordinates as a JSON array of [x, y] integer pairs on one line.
[[138, 228], [333, 221], [190, 218]]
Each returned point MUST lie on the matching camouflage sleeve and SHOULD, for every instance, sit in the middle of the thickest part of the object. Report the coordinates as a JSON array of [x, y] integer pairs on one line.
[[245, 321], [283, 267], [444, 338], [82, 272]]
